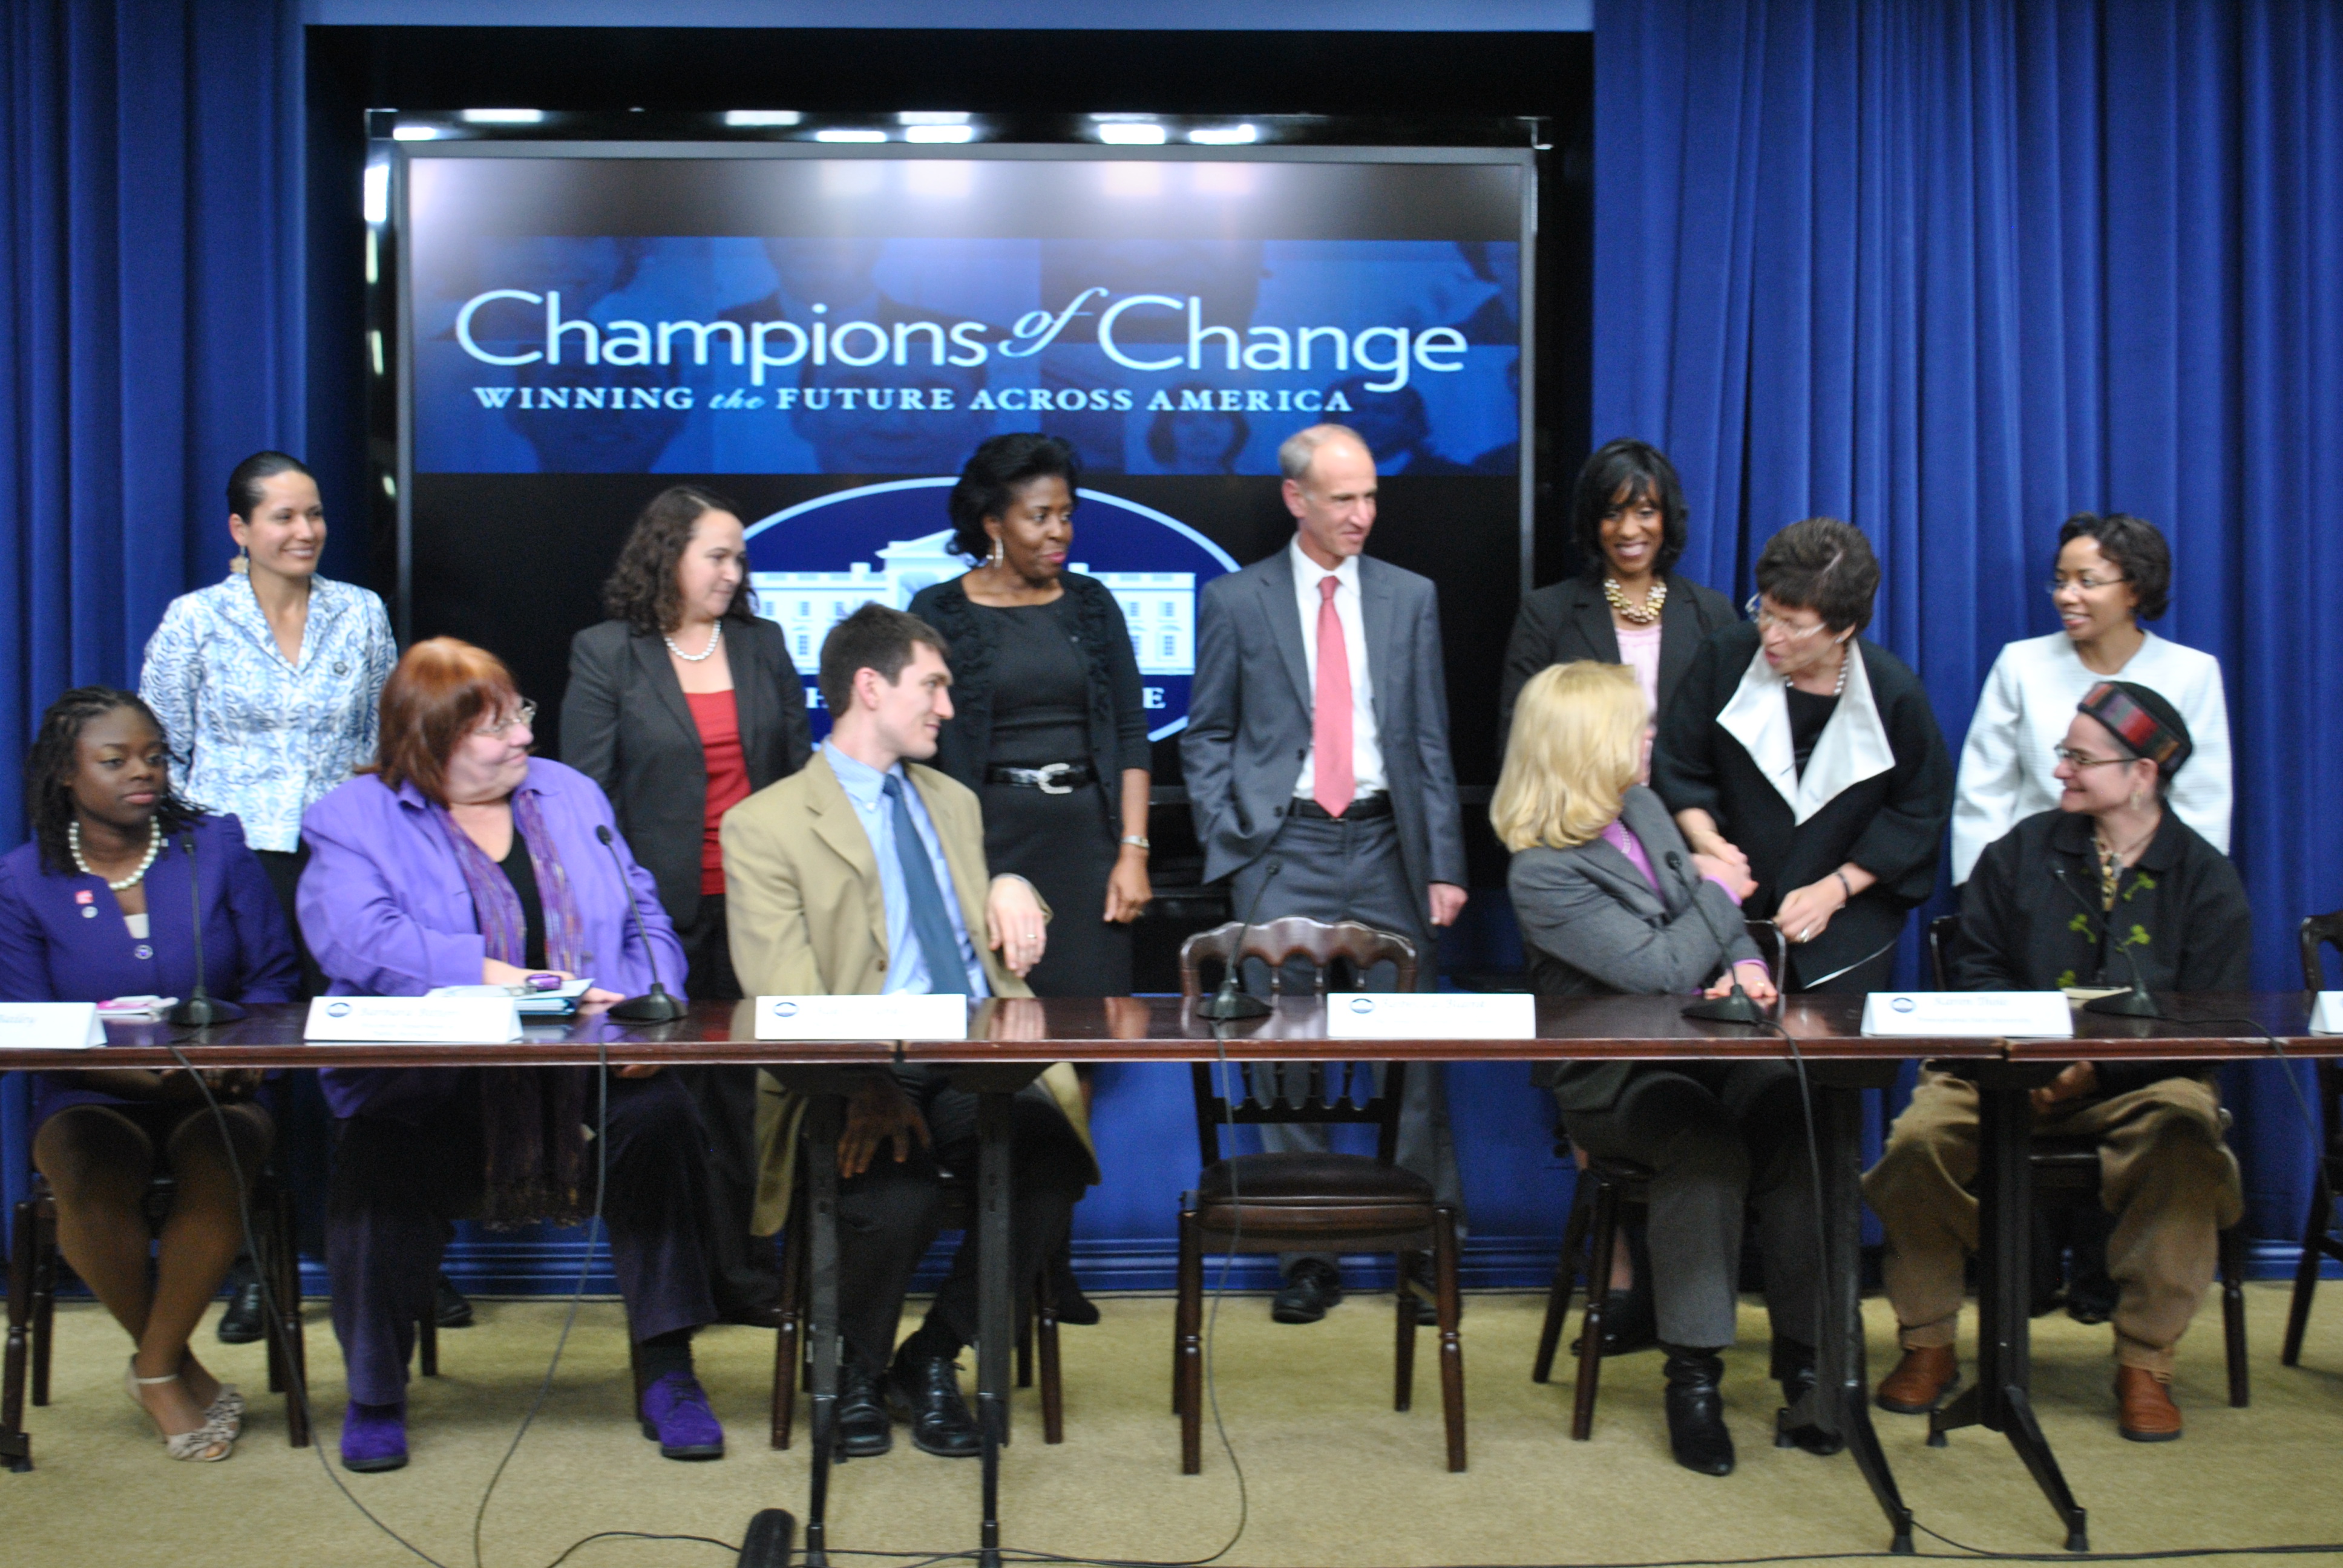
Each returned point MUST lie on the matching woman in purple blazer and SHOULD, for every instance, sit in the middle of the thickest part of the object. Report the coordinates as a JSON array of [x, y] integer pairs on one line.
[[461, 860], [104, 902]]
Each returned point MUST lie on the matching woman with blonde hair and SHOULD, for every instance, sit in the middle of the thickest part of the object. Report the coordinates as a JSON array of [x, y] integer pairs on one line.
[[1612, 902]]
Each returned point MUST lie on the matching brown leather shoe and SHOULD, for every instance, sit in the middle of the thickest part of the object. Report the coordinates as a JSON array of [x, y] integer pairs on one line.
[[1921, 1380], [2144, 1409]]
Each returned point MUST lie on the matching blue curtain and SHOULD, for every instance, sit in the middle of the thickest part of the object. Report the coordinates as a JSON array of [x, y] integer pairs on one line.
[[1954, 272], [150, 333]]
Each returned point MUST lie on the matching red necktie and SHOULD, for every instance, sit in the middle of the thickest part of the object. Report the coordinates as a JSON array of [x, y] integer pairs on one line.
[[1331, 780]]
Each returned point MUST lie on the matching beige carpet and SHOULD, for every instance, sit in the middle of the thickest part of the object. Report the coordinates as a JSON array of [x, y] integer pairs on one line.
[[1335, 1476]]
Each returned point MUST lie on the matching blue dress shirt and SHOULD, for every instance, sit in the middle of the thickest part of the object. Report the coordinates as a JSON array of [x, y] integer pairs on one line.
[[907, 967]]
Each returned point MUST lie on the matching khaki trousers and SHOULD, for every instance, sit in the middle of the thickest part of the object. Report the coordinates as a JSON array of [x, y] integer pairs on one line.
[[2163, 1173]]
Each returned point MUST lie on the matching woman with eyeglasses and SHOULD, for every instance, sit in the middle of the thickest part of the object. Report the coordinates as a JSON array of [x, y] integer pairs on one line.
[[1809, 758], [459, 859], [2112, 573], [2107, 887]]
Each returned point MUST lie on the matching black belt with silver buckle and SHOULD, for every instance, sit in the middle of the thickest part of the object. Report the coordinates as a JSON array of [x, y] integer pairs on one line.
[[1365, 807], [1050, 779]]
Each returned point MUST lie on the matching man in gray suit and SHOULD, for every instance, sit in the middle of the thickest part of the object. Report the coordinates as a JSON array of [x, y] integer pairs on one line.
[[1317, 742]]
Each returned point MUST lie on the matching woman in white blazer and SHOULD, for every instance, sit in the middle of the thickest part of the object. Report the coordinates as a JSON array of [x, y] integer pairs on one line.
[[2112, 573]]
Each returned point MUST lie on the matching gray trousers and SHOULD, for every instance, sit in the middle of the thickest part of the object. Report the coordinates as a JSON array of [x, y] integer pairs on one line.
[[1718, 1137], [1341, 871]]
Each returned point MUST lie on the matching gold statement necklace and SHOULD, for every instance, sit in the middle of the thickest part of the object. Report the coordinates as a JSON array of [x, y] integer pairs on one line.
[[1644, 614]]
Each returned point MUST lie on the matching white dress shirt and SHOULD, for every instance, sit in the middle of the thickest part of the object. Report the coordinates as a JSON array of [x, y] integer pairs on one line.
[[2022, 717], [1366, 746]]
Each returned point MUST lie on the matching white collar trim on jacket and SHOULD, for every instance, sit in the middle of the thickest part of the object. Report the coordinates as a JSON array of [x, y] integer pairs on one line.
[[1852, 748]]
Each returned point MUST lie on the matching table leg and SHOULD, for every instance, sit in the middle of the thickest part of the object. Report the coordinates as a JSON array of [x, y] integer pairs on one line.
[[821, 1128], [1999, 1399], [996, 1306], [1840, 1401]]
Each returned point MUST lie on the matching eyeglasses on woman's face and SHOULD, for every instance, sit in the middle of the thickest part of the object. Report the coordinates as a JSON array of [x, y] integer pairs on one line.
[[1768, 621], [524, 715], [2080, 760], [2090, 582]]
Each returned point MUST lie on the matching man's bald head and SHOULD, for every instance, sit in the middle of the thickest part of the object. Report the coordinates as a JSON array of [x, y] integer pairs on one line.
[[1330, 488]]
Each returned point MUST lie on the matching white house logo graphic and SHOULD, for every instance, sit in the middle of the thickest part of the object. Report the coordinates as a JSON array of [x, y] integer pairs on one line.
[[1154, 564]]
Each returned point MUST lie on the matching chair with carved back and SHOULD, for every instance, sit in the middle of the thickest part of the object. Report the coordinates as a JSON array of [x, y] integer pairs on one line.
[[33, 1299], [2066, 1173], [1333, 1203], [1591, 1238], [2319, 1238]]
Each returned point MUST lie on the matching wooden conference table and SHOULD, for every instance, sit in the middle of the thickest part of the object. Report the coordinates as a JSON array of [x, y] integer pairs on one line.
[[1010, 1041]]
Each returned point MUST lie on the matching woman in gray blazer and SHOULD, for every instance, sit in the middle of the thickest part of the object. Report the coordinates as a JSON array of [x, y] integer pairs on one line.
[[1612, 902], [680, 706]]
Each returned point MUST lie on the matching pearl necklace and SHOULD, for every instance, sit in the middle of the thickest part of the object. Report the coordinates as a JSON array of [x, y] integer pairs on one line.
[[715, 640], [1643, 614], [154, 849]]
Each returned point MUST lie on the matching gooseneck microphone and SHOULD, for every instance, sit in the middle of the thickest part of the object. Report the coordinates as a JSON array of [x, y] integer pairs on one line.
[[1737, 1006], [2133, 1003], [200, 1011], [655, 1006], [1229, 1001]]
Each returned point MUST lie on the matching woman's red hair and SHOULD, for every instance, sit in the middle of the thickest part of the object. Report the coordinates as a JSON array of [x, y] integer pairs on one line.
[[443, 690]]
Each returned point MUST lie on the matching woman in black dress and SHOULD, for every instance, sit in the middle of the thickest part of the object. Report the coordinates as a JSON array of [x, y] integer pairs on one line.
[[1807, 756], [1048, 726]]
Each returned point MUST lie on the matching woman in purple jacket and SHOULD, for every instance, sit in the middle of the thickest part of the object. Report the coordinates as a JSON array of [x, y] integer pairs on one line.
[[100, 905], [461, 860]]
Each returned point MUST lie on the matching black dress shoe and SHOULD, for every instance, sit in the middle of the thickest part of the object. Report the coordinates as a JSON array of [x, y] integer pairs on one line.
[[448, 1306], [1313, 1287], [860, 1428], [753, 1314], [1696, 1406], [925, 1391], [1628, 1325], [1793, 1368], [243, 1323], [1073, 1307]]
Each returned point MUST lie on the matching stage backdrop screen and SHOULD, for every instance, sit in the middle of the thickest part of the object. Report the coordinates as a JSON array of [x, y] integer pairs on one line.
[[825, 339]]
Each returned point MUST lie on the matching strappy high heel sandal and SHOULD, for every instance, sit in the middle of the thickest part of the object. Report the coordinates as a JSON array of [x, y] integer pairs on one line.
[[206, 1445], [226, 1410]]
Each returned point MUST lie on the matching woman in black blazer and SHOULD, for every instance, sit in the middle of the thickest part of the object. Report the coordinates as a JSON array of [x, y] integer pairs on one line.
[[1628, 515], [1049, 725], [1810, 756], [680, 706]]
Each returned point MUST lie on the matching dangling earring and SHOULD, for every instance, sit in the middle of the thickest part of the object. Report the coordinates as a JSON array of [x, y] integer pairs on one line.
[[2134, 799], [241, 562], [994, 559]]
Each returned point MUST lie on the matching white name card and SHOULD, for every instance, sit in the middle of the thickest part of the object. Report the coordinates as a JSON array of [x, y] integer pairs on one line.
[[1973, 1014], [907, 1015], [1431, 1015], [2327, 1016], [50, 1026], [414, 1020]]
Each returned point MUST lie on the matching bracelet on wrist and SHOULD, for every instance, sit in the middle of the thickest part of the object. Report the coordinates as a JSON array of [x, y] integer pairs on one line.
[[1134, 840]]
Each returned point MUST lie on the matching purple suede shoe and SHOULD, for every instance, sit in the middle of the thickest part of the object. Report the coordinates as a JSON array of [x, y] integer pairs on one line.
[[676, 1414], [374, 1437]]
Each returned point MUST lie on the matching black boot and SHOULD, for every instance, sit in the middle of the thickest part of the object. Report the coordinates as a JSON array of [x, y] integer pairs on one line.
[[1793, 1368], [1073, 1307], [243, 1323], [1696, 1434]]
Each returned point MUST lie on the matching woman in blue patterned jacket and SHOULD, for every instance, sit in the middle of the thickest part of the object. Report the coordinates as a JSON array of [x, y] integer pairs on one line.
[[266, 683]]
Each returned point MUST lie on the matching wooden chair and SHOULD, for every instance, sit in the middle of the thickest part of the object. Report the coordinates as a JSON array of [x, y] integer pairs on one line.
[[793, 1340], [1314, 1202], [2067, 1172], [2320, 1241], [1590, 1240], [32, 1300]]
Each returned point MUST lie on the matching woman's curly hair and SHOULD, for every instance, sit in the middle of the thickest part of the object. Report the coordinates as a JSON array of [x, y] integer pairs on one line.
[[641, 589], [49, 768]]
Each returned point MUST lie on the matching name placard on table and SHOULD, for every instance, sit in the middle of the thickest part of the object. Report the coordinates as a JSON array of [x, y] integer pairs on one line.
[[2327, 1014], [1431, 1015], [412, 1020], [50, 1026], [1970, 1014], [907, 1015]]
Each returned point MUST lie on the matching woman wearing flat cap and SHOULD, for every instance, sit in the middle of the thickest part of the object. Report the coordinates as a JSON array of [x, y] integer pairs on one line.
[[2109, 885]]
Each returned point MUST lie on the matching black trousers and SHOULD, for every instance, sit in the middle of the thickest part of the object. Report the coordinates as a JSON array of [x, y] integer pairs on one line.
[[888, 1215], [742, 1267]]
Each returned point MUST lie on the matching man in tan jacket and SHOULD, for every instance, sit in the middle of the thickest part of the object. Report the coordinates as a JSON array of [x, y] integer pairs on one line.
[[864, 874]]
